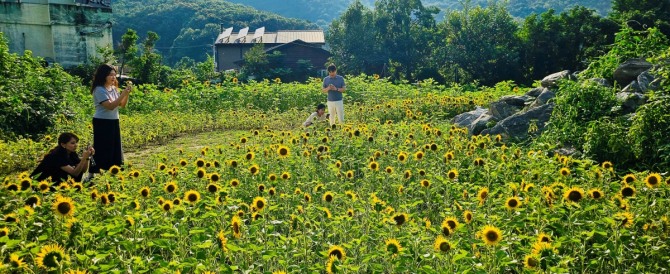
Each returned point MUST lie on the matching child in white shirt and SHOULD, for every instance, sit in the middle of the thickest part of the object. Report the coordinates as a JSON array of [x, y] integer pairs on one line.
[[318, 115]]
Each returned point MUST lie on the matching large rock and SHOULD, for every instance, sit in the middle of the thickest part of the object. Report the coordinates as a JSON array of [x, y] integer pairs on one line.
[[479, 124], [644, 81], [629, 70], [543, 98], [501, 109], [601, 81], [465, 119], [630, 101], [516, 126], [552, 80], [514, 100], [535, 92], [632, 87]]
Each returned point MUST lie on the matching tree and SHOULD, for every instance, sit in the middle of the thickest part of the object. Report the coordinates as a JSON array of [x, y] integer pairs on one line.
[[148, 66], [127, 50], [403, 30], [353, 43], [643, 14], [256, 62], [552, 43], [479, 44]]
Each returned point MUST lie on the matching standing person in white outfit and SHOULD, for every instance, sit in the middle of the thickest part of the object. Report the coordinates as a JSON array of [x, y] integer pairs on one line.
[[318, 115], [334, 85]]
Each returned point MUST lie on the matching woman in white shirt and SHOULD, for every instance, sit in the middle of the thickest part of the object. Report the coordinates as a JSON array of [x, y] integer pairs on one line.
[[106, 129]]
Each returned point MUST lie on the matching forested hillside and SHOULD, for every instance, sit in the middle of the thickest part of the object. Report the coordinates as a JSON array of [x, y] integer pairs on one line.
[[188, 28], [322, 12]]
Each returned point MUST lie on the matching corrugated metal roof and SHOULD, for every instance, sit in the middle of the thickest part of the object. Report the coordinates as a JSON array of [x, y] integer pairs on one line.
[[279, 37]]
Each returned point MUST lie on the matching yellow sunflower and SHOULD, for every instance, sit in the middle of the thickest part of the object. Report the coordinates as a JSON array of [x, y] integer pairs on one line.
[[625, 219], [213, 188], [254, 169], [574, 194], [328, 196], [285, 175], [114, 170], [373, 166], [236, 225], [33, 201], [16, 262], [467, 216], [192, 196], [400, 218], [43, 186], [393, 247], [629, 178], [402, 156], [63, 206], [214, 177], [596, 193], [491, 235], [627, 191], [338, 252], [4, 231], [272, 177], [171, 187], [222, 240], [51, 256], [482, 195], [653, 180], [544, 237], [452, 174], [441, 244], [283, 151], [145, 192], [531, 262], [234, 182], [259, 203], [564, 172], [512, 203], [425, 183]]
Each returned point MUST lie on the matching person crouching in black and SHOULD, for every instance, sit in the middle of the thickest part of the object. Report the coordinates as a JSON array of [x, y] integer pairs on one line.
[[62, 161]]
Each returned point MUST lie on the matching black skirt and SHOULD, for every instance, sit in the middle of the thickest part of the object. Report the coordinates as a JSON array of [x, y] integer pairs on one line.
[[107, 144]]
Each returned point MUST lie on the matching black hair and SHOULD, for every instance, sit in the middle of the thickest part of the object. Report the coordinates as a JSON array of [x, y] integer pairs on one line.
[[63, 138], [320, 106], [332, 68], [100, 76]]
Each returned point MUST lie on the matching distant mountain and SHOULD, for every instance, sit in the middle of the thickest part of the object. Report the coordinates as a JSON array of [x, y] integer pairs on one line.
[[188, 28], [322, 12]]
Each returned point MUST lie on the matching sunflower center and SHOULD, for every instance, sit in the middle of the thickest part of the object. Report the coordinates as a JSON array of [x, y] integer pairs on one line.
[[329, 198], [574, 196], [192, 197], [627, 192], [399, 220], [512, 203], [491, 236], [64, 208], [212, 188], [444, 246], [596, 195], [52, 259], [260, 204], [336, 253], [166, 206], [392, 248]]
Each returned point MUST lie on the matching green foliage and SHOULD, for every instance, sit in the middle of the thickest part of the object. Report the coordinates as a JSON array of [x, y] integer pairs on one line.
[[148, 65], [628, 44], [643, 14], [256, 62], [478, 44], [577, 105], [188, 28], [606, 139], [649, 133], [324, 11], [554, 42], [128, 49], [32, 94]]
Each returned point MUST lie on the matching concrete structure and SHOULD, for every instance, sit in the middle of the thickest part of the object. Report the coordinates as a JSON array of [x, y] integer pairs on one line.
[[230, 47], [67, 32]]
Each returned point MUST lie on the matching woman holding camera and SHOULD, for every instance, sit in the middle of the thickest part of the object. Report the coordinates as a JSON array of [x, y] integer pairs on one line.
[[106, 129], [62, 161]]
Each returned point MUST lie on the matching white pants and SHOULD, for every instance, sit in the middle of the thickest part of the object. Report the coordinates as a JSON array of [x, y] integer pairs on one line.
[[336, 108]]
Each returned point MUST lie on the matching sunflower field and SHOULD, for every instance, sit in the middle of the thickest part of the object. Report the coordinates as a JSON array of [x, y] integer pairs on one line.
[[396, 189]]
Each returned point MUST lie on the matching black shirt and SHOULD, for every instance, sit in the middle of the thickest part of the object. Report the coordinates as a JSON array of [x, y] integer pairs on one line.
[[51, 165]]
